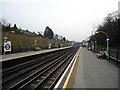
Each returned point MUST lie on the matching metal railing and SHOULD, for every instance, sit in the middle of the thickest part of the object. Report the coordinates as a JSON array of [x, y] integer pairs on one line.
[[111, 54]]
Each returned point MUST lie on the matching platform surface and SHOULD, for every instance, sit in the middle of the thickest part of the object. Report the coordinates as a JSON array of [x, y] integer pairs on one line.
[[24, 54], [91, 72]]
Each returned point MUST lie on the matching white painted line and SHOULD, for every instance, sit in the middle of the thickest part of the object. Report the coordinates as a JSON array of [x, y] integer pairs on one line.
[[60, 80], [64, 73], [43, 51]]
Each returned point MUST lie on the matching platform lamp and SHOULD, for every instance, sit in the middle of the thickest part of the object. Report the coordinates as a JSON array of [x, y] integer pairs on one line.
[[97, 32], [5, 36]]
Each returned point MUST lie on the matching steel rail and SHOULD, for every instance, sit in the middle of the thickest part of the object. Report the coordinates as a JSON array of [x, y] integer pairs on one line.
[[22, 82], [39, 85], [29, 69], [26, 70], [29, 63], [60, 74]]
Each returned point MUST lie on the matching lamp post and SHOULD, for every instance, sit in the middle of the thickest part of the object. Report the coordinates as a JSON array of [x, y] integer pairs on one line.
[[5, 36], [7, 44], [49, 45], [95, 43], [35, 42], [106, 39]]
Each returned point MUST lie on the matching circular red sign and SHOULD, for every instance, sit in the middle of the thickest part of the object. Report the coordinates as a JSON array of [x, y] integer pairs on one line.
[[7, 46]]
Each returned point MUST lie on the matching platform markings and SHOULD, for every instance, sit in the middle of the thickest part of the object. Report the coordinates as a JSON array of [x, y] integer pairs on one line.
[[23, 56], [69, 75], [63, 75], [44, 51], [60, 80]]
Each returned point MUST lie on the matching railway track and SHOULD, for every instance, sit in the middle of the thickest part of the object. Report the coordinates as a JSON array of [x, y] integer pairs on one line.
[[38, 73], [21, 69]]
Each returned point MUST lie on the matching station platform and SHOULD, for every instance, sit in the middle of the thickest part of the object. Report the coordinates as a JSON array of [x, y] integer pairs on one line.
[[87, 71], [30, 53]]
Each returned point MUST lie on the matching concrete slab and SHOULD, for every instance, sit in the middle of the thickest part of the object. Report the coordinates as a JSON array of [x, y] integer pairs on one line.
[[94, 73], [24, 54]]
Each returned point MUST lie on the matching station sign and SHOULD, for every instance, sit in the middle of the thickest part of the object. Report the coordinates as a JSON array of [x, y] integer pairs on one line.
[[7, 46]]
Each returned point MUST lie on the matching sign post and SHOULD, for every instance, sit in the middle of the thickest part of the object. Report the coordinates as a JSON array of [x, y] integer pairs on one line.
[[49, 46], [7, 46]]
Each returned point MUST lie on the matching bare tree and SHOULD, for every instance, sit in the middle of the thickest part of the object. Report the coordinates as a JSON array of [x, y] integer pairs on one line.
[[4, 21]]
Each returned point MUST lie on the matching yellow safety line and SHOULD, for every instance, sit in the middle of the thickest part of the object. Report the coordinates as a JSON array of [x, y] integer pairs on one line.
[[68, 77]]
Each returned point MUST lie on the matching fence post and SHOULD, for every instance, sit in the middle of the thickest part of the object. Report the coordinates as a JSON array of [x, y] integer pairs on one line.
[[95, 50], [102, 49], [2, 49], [117, 58], [11, 49], [19, 48], [33, 48], [108, 55], [26, 48]]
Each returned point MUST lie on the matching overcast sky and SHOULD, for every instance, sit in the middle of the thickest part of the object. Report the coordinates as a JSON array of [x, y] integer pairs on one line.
[[74, 19]]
